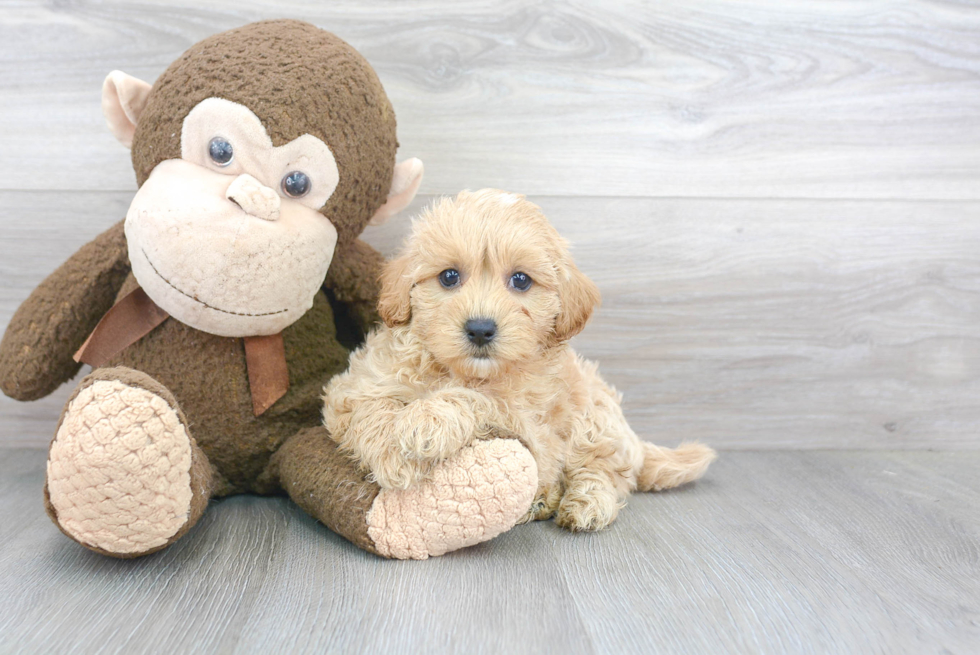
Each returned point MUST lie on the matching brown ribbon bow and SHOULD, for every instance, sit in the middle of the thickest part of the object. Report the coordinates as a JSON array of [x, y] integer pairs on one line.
[[135, 316]]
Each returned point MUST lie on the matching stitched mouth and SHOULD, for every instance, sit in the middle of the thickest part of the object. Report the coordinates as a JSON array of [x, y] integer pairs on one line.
[[201, 302]]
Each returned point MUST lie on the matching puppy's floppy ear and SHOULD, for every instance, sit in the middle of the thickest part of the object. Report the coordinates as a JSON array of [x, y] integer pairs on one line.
[[579, 297], [395, 302]]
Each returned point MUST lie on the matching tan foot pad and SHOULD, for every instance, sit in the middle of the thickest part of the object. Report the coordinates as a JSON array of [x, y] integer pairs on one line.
[[119, 469], [483, 490]]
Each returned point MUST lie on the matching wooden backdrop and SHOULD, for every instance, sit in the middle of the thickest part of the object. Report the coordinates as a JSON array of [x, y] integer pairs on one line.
[[779, 201]]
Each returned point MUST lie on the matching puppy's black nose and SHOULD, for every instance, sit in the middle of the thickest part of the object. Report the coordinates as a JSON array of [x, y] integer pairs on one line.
[[480, 330]]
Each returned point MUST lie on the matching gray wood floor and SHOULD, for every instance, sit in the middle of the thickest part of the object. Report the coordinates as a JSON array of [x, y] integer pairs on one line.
[[774, 552]]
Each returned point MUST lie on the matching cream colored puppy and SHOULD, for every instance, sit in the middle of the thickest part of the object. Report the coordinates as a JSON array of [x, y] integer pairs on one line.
[[478, 311]]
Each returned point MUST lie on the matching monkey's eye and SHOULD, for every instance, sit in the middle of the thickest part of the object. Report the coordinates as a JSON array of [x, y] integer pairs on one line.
[[220, 151], [521, 281], [296, 184], [449, 278]]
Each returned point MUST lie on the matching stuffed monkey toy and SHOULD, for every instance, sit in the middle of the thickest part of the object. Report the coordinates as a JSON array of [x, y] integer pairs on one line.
[[214, 314]]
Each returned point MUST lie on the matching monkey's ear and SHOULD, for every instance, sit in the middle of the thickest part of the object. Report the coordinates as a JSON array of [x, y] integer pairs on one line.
[[123, 100], [404, 185], [395, 300], [579, 297]]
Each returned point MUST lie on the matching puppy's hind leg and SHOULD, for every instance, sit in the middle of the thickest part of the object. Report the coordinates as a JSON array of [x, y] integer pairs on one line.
[[599, 469], [597, 483], [597, 488], [545, 503]]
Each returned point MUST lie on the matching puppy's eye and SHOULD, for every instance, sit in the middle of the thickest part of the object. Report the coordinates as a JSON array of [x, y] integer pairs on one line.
[[220, 151], [521, 281], [296, 184], [449, 278]]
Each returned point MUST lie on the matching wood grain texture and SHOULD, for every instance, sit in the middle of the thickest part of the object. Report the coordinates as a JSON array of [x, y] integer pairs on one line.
[[741, 323], [709, 162], [720, 98], [786, 552]]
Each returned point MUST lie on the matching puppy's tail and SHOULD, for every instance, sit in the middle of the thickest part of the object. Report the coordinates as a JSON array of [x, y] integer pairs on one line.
[[664, 468]]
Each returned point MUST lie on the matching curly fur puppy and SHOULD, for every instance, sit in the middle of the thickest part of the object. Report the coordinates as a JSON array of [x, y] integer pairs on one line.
[[478, 311]]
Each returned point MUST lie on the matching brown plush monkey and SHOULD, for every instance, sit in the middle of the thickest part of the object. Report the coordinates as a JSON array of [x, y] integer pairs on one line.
[[215, 313]]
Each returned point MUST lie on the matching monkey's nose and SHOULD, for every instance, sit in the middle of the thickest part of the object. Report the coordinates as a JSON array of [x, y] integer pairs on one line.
[[480, 331], [254, 197]]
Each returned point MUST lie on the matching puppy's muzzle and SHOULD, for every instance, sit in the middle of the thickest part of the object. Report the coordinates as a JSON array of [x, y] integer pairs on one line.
[[480, 331]]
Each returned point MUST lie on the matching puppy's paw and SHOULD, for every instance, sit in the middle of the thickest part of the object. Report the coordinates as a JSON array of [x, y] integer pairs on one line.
[[438, 426], [393, 470], [588, 511], [545, 504], [432, 439]]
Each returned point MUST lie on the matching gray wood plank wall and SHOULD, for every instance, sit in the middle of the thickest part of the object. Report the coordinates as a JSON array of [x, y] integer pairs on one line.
[[779, 201]]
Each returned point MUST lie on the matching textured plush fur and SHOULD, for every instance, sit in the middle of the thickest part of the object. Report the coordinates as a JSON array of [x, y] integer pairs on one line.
[[419, 390]]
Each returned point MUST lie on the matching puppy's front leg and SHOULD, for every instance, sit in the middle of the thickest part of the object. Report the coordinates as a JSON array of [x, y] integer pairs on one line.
[[366, 430], [438, 425]]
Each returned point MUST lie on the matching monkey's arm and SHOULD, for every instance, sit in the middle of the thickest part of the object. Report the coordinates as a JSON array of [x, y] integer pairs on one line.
[[353, 277], [46, 330]]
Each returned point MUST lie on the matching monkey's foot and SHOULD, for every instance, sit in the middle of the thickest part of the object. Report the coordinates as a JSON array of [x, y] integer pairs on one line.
[[124, 476], [480, 492]]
